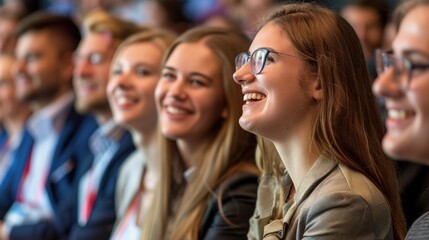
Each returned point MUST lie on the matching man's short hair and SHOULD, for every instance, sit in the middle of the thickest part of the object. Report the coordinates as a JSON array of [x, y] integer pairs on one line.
[[62, 27]]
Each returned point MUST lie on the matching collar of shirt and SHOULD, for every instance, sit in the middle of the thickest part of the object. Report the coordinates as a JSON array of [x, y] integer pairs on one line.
[[51, 118], [107, 134], [15, 140]]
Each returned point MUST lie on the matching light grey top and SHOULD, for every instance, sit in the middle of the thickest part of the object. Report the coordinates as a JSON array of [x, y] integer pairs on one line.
[[128, 182], [332, 202], [420, 228]]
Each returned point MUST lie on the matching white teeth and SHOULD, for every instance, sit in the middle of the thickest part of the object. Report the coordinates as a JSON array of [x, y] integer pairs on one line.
[[253, 97], [397, 114], [175, 110], [122, 100]]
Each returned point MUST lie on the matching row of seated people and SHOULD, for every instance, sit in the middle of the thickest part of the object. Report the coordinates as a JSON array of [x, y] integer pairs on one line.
[[137, 133]]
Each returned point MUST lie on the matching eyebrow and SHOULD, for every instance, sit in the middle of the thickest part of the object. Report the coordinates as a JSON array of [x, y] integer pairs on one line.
[[137, 64], [415, 52], [191, 74]]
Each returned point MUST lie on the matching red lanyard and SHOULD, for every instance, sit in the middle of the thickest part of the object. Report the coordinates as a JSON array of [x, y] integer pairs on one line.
[[37, 197], [90, 198], [125, 222], [19, 196]]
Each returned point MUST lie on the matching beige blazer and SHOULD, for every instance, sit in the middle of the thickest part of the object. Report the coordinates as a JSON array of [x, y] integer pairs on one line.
[[332, 202]]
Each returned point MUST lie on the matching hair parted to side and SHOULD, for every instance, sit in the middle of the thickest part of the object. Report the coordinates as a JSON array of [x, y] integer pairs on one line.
[[101, 22], [229, 150], [404, 8], [347, 124], [160, 37], [65, 33]]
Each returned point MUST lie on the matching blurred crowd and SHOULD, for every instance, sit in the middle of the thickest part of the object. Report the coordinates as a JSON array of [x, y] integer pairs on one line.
[[142, 119]]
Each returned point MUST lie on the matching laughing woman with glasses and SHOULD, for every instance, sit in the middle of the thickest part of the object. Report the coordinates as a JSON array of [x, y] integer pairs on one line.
[[404, 84], [307, 90]]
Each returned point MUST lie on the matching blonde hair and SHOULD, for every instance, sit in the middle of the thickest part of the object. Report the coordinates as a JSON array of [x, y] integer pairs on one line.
[[229, 151], [101, 22], [160, 37], [347, 123]]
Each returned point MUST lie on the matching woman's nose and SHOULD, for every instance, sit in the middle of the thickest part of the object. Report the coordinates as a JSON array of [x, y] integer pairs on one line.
[[243, 75], [387, 86]]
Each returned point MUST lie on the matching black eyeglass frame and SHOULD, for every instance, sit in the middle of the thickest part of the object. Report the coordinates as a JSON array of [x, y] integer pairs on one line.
[[239, 63], [386, 59]]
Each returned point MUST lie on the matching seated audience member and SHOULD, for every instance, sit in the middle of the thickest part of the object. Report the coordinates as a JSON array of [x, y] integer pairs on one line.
[[404, 85], [9, 19], [368, 18], [13, 114], [42, 174], [208, 178], [110, 144], [306, 90], [135, 71]]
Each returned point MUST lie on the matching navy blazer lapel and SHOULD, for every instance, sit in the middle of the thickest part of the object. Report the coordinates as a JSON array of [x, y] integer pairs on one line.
[[126, 146], [22, 153], [67, 133], [20, 159]]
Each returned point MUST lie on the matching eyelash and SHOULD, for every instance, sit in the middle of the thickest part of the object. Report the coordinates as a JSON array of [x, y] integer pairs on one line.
[[168, 75], [195, 82]]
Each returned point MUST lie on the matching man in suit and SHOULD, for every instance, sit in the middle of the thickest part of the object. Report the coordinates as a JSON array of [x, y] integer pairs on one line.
[[42, 174], [110, 144]]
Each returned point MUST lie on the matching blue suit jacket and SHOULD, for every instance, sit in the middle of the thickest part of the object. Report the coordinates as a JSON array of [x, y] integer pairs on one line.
[[3, 136], [61, 177], [103, 214]]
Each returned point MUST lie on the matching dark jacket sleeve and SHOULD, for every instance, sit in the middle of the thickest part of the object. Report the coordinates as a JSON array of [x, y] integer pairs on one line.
[[62, 185], [231, 220], [10, 184]]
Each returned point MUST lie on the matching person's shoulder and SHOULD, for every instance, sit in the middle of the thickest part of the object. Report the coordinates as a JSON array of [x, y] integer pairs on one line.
[[420, 228], [240, 180], [349, 195]]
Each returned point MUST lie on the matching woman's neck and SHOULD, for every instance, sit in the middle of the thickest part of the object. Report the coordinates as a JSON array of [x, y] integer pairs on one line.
[[298, 153], [148, 144], [190, 150]]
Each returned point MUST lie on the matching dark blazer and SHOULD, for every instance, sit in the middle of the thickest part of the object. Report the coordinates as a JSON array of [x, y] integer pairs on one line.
[[103, 215], [414, 187], [238, 204], [3, 136], [76, 130]]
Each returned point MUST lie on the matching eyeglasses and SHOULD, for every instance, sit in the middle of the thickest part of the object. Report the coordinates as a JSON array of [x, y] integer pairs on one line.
[[94, 58], [257, 59], [403, 68]]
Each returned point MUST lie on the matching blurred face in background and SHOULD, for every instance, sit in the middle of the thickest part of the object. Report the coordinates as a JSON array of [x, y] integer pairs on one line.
[[189, 96], [7, 40], [91, 74], [42, 70], [367, 24], [134, 75], [408, 104], [8, 101]]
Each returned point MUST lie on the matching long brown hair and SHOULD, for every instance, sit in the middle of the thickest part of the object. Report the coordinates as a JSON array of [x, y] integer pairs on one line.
[[347, 125], [229, 150]]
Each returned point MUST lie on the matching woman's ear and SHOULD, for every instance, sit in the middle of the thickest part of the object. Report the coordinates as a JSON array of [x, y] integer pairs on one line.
[[316, 90], [225, 113]]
